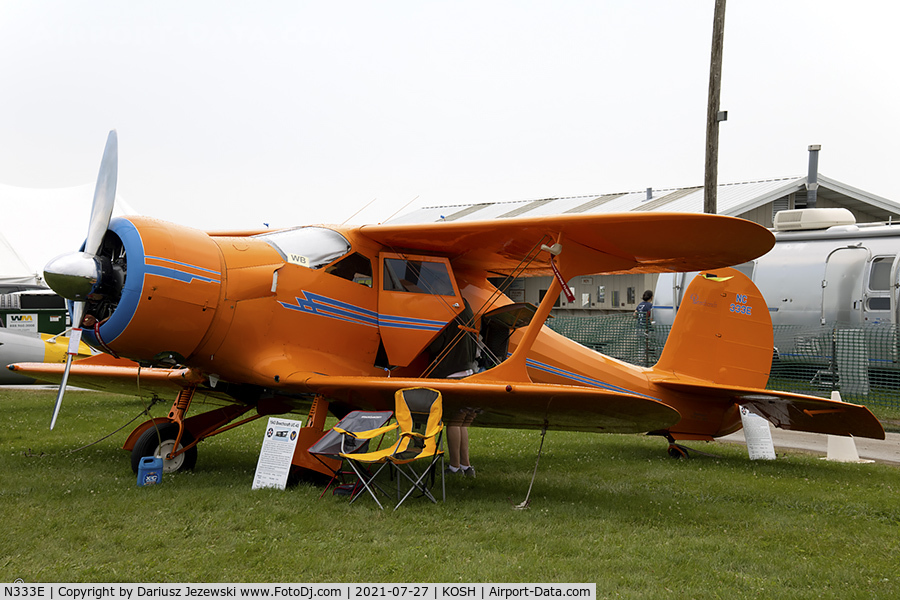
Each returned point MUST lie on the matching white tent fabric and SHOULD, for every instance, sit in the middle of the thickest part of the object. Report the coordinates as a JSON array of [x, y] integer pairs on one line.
[[39, 224], [13, 270]]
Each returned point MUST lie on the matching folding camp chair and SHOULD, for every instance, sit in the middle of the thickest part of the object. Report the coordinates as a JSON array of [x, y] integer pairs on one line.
[[342, 438], [418, 413]]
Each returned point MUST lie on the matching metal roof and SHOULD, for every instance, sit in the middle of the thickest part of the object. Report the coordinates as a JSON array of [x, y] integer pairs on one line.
[[733, 199]]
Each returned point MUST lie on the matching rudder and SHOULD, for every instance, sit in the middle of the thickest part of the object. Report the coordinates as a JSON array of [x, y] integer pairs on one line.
[[722, 332]]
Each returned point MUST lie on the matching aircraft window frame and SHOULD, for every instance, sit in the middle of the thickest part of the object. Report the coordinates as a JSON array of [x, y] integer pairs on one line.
[[300, 245], [441, 281], [354, 267]]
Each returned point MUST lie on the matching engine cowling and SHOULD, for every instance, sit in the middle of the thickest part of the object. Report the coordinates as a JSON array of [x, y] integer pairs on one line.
[[159, 291]]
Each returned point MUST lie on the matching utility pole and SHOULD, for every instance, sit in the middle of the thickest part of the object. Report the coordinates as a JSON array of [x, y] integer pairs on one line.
[[713, 115]]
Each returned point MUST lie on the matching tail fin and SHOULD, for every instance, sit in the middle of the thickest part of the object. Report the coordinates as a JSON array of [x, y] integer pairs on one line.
[[722, 332]]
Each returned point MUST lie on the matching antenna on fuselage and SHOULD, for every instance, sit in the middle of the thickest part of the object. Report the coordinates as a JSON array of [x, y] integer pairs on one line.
[[402, 208], [359, 211]]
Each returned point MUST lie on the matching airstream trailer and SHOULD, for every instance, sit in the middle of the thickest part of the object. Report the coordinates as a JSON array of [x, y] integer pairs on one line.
[[829, 283]]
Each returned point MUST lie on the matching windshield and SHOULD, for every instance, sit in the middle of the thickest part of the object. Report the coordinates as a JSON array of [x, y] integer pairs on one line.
[[312, 247]]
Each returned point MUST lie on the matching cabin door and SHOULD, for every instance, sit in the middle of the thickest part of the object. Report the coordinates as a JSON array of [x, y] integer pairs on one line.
[[418, 297], [842, 288]]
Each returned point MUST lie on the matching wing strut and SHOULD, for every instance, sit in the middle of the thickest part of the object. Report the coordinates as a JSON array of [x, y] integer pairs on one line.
[[513, 368]]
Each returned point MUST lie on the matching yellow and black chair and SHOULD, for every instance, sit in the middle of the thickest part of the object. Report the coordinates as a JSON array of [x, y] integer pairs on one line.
[[418, 414]]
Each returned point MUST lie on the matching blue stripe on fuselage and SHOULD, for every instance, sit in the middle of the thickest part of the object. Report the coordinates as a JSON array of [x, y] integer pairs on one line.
[[335, 309], [583, 379]]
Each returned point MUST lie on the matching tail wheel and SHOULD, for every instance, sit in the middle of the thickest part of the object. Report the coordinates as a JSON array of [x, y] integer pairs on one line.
[[678, 451], [160, 441]]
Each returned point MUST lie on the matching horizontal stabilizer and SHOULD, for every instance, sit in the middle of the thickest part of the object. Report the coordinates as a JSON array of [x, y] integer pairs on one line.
[[795, 412]]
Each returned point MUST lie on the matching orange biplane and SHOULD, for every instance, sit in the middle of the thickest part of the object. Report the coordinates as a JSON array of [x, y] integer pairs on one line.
[[335, 319]]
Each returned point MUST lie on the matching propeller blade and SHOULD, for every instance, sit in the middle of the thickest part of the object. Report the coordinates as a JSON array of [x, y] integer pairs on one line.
[[73, 276], [74, 341], [62, 390], [104, 195]]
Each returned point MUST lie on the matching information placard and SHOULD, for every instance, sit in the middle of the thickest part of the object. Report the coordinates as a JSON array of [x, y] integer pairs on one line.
[[276, 453], [758, 436]]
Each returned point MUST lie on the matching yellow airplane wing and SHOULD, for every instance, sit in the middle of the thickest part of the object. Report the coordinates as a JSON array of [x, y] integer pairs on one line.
[[636, 242]]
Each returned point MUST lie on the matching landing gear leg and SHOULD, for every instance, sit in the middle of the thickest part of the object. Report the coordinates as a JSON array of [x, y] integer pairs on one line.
[[167, 438], [174, 438], [303, 462]]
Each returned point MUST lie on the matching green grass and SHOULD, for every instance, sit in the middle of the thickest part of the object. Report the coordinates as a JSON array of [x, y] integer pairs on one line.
[[609, 509], [889, 417]]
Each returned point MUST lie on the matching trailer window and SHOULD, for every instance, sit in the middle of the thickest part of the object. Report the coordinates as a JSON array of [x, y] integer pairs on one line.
[[880, 275], [878, 304], [880, 283]]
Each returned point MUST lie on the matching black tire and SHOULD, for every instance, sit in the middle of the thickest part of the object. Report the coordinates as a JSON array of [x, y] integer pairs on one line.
[[149, 445]]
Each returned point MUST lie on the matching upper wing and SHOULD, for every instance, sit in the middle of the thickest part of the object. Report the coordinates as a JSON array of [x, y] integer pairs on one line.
[[515, 406], [791, 411], [606, 243]]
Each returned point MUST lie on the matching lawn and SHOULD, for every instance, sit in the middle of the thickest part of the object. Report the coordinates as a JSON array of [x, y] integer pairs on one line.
[[610, 509]]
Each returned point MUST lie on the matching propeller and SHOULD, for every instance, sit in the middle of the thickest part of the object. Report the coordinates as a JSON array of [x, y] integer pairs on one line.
[[75, 275]]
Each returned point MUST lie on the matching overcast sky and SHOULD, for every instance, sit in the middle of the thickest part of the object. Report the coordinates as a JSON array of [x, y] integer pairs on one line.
[[237, 114]]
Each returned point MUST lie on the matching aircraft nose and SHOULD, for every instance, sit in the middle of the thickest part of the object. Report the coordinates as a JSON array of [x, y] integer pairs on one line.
[[73, 275]]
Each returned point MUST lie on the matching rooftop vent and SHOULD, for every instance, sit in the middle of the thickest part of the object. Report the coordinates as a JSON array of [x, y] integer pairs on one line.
[[812, 218]]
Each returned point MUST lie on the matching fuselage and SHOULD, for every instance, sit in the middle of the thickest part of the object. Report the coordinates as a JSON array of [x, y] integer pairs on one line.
[[256, 310]]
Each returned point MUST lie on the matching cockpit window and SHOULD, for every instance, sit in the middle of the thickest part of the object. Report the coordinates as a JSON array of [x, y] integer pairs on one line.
[[312, 247], [417, 276], [355, 267]]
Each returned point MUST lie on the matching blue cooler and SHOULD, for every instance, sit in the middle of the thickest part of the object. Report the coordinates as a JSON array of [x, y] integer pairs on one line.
[[150, 470]]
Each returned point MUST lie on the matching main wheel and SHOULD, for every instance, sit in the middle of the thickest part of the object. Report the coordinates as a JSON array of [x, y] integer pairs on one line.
[[160, 441]]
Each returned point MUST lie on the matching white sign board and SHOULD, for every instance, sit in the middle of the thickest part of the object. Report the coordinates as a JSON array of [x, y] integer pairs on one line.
[[22, 322], [276, 453], [758, 436]]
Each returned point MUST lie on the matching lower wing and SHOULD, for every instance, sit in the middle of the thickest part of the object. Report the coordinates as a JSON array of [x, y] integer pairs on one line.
[[514, 406], [107, 374]]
